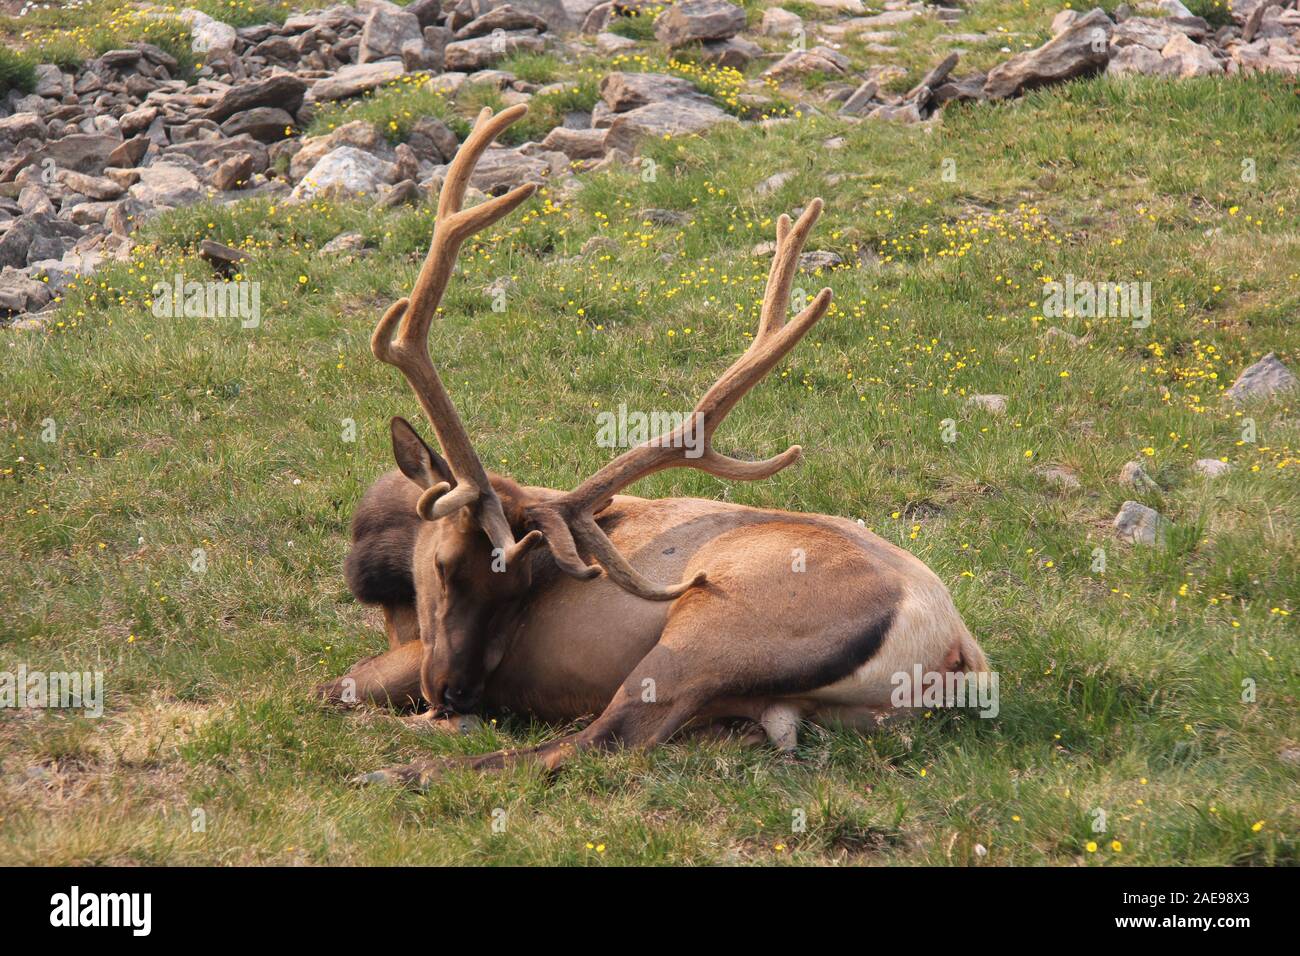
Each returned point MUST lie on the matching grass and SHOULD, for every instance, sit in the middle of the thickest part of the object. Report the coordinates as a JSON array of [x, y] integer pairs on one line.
[[1127, 691]]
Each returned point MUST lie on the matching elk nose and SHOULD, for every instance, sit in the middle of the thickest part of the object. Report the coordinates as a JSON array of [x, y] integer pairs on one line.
[[459, 700]]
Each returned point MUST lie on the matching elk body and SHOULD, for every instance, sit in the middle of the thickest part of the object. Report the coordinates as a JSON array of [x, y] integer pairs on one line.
[[491, 599]]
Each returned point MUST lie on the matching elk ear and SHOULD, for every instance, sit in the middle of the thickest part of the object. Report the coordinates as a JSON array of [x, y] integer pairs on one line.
[[418, 461]]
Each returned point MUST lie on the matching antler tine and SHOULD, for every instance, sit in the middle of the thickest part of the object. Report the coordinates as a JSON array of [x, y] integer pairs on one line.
[[568, 521], [401, 337]]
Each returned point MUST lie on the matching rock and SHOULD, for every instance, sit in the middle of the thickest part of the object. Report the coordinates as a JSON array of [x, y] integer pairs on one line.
[[385, 32], [343, 244], [214, 39], [773, 183], [860, 99], [92, 187], [137, 121], [359, 134], [49, 81], [780, 23], [734, 52], [21, 126], [1265, 378], [404, 193], [233, 172], [611, 43], [577, 143], [82, 152], [1138, 524], [33, 199], [433, 140], [129, 152], [898, 113], [678, 117], [691, 21], [628, 91], [266, 124], [482, 52], [20, 294], [342, 172], [167, 184], [356, 78], [819, 59], [1138, 60], [36, 236], [1063, 478], [503, 169], [282, 90], [1190, 59], [1082, 49], [1063, 21], [504, 17], [1212, 467], [221, 257], [818, 259], [663, 217], [994, 404], [1135, 476]]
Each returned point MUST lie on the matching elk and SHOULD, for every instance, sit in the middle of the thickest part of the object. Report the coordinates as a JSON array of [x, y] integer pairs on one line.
[[508, 597]]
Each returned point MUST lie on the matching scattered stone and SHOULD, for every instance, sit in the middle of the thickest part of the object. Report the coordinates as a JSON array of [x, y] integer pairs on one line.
[[355, 79], [628, 91], [282, 90], [773, 183], [222, 258], [480, 53], [501, 170], [167, 184], [343, 244], [1057, 475], [386, 31], [233, 172], [691, 21], [780, 23], [819, 59], [577, 143], [679, 117], [1265, 378], [1082, 48], [266, 124], [504, 17], [994, 404], [1190, 59], [1135, 476], [346, 171], [1212, 467], [1138, 524]]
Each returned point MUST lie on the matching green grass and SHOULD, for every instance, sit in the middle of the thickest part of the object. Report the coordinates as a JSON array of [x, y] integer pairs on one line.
[[1121, 691], [17, 72]]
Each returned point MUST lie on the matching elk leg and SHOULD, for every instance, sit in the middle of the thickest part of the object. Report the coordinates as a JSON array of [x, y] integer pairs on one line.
[[401, 624], [389, 679], [666, 690]]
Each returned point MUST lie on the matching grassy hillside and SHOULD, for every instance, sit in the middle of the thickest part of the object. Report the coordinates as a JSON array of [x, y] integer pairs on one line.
[[1121, 691]]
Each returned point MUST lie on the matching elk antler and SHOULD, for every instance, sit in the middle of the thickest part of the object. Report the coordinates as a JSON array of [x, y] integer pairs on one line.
[[408, 349], [569, 520]]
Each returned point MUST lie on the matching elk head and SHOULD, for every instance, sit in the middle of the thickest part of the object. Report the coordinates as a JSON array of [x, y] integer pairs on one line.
[[468, 561]]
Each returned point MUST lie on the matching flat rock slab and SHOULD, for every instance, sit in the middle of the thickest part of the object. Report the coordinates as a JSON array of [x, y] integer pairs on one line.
[[672, 118], [355, 79]]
